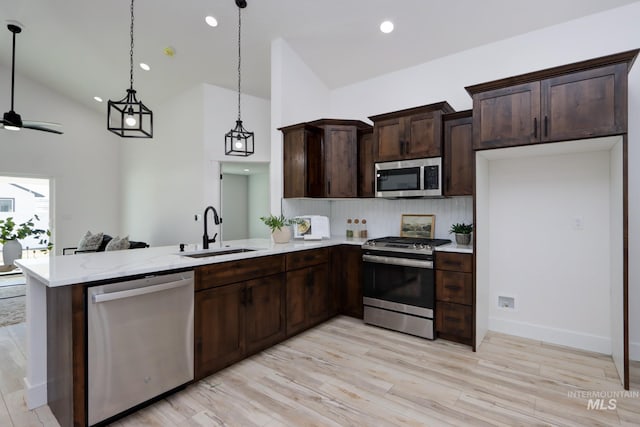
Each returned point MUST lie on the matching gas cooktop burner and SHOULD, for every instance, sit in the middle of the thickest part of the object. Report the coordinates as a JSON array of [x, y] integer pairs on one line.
[[405, 244]]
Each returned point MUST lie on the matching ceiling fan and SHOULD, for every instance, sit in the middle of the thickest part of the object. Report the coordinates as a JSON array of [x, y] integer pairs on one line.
[[12, 120]]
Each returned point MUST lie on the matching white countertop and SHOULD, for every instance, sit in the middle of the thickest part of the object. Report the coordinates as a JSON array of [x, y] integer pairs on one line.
[[90, 267]]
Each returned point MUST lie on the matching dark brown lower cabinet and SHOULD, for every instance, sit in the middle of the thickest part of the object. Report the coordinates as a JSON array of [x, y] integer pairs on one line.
[[454, 297], [234, 321], [346, 275], [307, 297]]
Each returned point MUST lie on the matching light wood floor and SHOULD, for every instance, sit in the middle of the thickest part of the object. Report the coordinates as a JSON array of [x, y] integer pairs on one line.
[[344, 373]]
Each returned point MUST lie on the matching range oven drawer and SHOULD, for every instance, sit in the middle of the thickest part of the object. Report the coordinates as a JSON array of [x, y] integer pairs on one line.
[[413, 325]]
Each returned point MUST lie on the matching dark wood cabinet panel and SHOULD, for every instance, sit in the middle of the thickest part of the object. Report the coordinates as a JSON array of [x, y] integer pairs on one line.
[[346, 279], [454, 286], [265, 314], [317, 294], [454, 296], [219, 328], [409, 134], [320, 158], [366, 164], [453, 321], [575, 101], [220, 274], [506, 117], [459, 156], [307, 258], [585, 104], [454, 261], [296, 300]]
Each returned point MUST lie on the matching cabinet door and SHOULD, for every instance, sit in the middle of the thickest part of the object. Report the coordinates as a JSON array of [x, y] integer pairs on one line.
[[387, 135], [585, 104], [317, 292], [296, 298], [219, 328], [507, 117], [422, 136], [295, 163], [453, 321], [341, 161], [366, 165], [350, 284], [459, 157], [265, 313]]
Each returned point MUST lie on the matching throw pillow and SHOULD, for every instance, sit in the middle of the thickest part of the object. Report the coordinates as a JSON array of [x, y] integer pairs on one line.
[[117, 244], [90, 242]]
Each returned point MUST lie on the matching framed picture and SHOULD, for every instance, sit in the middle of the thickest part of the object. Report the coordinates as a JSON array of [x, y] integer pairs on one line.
[[302, 228], [417, 225]]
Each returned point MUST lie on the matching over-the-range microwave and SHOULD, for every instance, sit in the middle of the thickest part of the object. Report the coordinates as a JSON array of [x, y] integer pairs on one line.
[[409, 178]]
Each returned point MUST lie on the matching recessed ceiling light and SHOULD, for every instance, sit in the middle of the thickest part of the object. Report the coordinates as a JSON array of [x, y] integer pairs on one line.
[[145, 66], [97, 98], [246, 170], [211, 21], [386, 27]]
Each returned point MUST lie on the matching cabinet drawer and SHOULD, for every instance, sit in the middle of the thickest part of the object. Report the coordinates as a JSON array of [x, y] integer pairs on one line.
[[454, 286], [306, 258], [453, 319], [453, 261], [224, 273]]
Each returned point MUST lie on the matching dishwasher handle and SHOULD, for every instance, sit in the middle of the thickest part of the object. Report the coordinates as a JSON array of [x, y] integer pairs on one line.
[[98, 298]]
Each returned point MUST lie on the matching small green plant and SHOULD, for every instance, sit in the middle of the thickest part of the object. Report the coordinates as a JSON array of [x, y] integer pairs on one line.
[[9, 230], [277, 222], [461, 228]]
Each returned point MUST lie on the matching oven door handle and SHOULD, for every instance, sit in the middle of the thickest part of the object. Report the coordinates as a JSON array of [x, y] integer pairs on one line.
[[404, 262]]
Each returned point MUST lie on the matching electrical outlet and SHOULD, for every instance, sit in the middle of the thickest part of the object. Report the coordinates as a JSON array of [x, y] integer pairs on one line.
[[578, 223], [508, 303], [196, 217]]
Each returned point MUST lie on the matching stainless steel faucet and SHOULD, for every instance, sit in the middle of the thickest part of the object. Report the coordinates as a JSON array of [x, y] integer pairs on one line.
[[205, 238]]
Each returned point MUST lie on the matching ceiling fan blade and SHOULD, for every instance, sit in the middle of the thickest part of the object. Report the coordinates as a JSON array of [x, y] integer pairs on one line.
[[38, 123], [42, 128]]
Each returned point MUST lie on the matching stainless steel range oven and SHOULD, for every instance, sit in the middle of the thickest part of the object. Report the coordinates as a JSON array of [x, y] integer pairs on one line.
[[399, 284]]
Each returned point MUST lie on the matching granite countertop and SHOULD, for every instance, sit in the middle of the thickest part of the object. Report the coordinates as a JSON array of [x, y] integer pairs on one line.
[[90, 267]]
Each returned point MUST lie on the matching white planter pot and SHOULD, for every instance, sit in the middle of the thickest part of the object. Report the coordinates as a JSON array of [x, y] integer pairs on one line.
[[463, 239], [11, 251], [281, 236]]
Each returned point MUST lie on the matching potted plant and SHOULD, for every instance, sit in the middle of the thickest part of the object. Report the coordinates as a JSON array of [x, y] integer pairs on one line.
[[462, 232], [279, 225], [11, 233]]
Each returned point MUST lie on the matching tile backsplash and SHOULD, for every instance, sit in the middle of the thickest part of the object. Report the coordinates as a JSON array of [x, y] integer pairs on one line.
[[382, 215]]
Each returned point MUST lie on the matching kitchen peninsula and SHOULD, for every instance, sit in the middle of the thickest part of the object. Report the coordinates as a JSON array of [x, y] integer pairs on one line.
[[71, 276]]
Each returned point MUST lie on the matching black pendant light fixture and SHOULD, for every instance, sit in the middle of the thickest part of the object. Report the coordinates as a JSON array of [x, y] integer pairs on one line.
[[239, 141], [129, 117]]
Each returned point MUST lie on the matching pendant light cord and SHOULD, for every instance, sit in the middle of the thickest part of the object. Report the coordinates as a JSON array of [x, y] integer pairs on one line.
[[239, 57], [13, 69], [131, 50]]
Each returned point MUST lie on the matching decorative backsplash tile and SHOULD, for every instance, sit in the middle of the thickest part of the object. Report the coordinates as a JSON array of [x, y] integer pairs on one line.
[[382, 215]]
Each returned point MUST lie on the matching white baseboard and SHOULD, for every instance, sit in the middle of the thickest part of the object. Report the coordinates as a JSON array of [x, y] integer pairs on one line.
[[634, 350], [564, 337], [36, 395]]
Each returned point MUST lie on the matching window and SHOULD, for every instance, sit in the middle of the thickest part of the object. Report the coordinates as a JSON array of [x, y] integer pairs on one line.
[[7, 205]]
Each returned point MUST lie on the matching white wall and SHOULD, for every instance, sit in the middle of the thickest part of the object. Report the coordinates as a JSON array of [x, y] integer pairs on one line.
[[558, 274], [174, 176], [297, 95], [83, 163], [444, 79]]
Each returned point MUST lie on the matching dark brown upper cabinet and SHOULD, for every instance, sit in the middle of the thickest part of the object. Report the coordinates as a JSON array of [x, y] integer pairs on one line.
[[366, 164], [409, 134], [459, 156], [320, 158], [581, 100]]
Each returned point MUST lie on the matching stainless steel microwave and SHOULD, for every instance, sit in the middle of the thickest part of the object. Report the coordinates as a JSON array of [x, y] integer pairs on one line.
[[409, 178]]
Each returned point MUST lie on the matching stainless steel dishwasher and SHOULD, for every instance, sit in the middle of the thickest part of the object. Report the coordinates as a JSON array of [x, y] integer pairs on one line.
[[140, 341]]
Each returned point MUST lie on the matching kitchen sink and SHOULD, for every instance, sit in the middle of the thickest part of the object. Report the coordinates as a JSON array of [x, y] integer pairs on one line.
[[218, 252]]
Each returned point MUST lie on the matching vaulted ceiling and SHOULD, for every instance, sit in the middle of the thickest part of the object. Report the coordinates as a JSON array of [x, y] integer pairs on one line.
[[80, 48]]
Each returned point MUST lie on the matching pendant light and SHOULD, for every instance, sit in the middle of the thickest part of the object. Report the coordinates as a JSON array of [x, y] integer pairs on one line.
[[128, 117], [239, 141]]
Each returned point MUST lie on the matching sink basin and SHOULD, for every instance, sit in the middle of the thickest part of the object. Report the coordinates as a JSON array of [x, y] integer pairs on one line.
[[218, 252]]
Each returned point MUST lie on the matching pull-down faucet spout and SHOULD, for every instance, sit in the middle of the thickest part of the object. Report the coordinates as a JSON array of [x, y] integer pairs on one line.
[[205, 238]]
